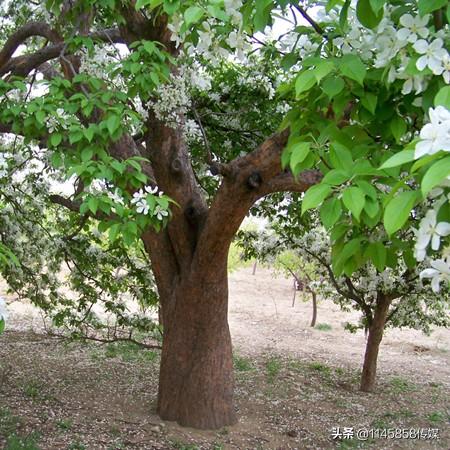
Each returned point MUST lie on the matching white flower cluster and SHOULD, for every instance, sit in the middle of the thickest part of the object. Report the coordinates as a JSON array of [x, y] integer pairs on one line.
[[95, 64], [142, 207], [172, 99], [394, 46], [209, 41], [3, 310], [435, 135], [59, 121], [3, 166]]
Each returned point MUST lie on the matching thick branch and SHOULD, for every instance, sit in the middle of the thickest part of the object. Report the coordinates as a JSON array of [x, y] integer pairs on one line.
[[253, 176], [22, 34], [24, 64]]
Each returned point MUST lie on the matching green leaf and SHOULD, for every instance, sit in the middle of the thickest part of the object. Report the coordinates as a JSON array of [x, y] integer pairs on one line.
[[376, 252], [377, 5], [2, 325], [333, 86], [352, 67], [343, 15], [330, 212], [428, 6], [371, 207], [56, 160], [93, 204], [314, 196], [141, 3], [368, 189], [89, 133], [398, 159], [305, 81], [86, 154], [114, 231], [398, 210], [299, 152], [112, 123], [443, 97], [322, 69], [354, 200], [435, 174], [367, 15], [340, 156], [55, 139], [75, 135], [398, 127], [335, 177], [369, 101], [40, 117], [350, 249], [193, 14]]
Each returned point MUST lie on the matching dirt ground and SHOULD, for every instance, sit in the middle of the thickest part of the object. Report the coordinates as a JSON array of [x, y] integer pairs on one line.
[[294, 384]]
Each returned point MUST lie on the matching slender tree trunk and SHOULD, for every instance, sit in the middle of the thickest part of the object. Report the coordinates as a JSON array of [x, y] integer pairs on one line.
[[254, 266], [314, 303], [376, 330], [196, 376]]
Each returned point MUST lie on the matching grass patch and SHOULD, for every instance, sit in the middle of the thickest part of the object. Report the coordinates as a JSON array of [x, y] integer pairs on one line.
[[399, 384], [64, 424], [242, 364], [437, 417], [273, 368], [323, 369], [323, 327], [9, 424], [15, 442], [130, 352]]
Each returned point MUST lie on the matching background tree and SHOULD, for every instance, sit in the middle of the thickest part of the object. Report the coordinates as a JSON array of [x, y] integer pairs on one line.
[[154, 111], [393, 297]]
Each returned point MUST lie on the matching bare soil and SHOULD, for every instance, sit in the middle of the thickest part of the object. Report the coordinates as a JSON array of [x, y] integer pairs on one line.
[[293, 383]]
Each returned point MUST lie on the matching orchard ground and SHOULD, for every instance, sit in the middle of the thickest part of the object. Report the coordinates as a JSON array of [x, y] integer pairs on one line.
[[293, 383]]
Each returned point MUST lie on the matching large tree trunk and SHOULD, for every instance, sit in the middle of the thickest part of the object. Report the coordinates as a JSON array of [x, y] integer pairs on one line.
[[196, 376], [376, 330]]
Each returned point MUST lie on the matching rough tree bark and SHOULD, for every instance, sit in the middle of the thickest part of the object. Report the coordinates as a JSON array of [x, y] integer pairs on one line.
[[189, 257], [375, 336]]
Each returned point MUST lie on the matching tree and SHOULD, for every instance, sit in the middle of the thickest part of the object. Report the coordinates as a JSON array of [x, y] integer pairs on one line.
[[138, 100], [393, 297]]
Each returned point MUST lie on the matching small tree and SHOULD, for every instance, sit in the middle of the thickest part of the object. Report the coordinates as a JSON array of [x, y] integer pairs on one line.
[[393, 297]]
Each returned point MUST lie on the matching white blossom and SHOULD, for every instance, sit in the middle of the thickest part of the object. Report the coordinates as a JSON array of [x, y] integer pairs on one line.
[[3, 309], [435, 136], [160, 213], [439, 272], [413, 26], [430, 230], [432, 55]]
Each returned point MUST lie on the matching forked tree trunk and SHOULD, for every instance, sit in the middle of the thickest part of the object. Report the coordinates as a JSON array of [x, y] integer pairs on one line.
[[376, 330], [196, 375]]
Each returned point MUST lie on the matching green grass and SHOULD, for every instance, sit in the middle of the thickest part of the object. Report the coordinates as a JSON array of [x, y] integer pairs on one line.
[[9, 425], [77, 445], [130, 352], [64, 424], [322, 369], [242, 364], [32, 389], [437, 417], [29, 442], [399, 384], [273, 368], [323, 327]]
